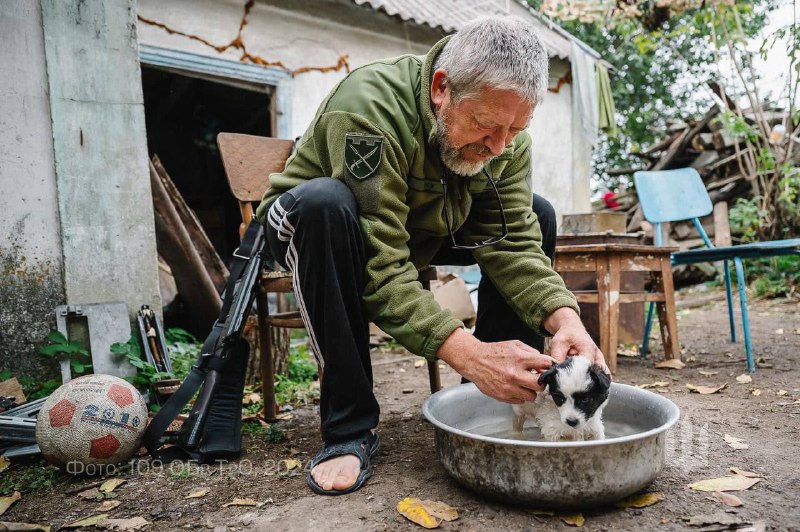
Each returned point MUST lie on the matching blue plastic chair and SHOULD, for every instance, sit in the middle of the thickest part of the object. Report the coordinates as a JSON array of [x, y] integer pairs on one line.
[[677, 195]]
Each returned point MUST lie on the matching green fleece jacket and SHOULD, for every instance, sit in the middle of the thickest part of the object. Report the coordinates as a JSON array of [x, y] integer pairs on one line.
[[401, 201]]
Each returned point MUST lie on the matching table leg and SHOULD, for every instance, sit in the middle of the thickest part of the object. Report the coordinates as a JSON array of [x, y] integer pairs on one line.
[[613, 311], [666, 312]]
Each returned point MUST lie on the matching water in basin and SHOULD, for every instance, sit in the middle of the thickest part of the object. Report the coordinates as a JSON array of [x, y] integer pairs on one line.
[[501, 428]]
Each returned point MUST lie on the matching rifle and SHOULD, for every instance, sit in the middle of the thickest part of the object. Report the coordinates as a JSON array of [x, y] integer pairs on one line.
[[212, 429], [242, 301]]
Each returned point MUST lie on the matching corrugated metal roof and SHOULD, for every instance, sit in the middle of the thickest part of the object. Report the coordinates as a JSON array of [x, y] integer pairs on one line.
[[452, 15]]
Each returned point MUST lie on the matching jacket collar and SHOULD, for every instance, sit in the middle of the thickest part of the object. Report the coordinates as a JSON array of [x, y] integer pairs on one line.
[[425, 104]]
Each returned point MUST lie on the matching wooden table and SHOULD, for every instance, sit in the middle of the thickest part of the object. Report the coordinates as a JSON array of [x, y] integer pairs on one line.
[[608, 261]]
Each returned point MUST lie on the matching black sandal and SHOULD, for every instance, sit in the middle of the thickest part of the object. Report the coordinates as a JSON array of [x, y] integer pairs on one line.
[[365, 448]]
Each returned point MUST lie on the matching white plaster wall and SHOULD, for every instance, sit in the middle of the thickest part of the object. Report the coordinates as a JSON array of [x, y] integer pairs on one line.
[[100, 147], [298, 39], [28, 203], [31, 282]]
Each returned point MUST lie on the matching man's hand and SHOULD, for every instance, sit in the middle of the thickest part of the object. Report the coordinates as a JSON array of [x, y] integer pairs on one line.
[[502, 370], [570, 338]]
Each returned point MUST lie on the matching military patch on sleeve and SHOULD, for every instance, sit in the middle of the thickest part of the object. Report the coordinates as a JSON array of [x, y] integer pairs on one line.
[[362, 154]]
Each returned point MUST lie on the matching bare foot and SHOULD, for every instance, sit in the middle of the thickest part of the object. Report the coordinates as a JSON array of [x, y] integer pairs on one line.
[[338, 473]]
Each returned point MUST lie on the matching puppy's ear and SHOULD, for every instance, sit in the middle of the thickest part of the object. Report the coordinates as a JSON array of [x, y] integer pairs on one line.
[[600, 377], [547, 376]]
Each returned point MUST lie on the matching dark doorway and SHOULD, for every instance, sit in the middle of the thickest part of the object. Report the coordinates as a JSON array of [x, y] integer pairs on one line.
[[183, 116]]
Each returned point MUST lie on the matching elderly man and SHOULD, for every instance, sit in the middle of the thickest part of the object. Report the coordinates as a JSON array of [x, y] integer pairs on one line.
[[413, 161]]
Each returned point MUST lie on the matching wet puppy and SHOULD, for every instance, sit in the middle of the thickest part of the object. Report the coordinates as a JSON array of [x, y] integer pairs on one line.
[[571, 407]]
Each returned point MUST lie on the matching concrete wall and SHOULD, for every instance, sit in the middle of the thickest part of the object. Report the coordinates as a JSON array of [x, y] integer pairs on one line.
[[100, 147], [31, 280], [318, 32], [76, 219]]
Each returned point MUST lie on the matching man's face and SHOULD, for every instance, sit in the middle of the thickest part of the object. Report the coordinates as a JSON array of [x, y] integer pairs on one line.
[[473, 131]]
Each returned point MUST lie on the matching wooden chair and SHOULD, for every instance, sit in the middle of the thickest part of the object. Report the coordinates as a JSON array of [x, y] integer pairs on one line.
[[248, 161]]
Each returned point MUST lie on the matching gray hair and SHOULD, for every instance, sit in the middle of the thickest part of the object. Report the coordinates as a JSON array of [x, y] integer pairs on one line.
[[499, 53]]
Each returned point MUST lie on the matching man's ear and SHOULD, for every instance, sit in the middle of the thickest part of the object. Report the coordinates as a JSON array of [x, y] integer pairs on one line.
[[600, 378], [440, 89], [546, 377]]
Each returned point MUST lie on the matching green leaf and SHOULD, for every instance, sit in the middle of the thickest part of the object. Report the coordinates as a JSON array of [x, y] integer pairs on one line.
[[51, 350], [57, 337], [77, 367]]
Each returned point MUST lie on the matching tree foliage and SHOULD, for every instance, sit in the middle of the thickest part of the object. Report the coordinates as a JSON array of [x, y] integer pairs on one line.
[[663, 54]]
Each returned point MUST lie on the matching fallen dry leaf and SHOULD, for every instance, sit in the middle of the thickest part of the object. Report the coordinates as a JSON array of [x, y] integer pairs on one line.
[[657, 384], [91, 493], [413, 510], [672, 363], [92, 520], [7, 502], [419, 363], [632, 351], [725, 498], [197, 494], [729, 483], [640, 501], [251, 398], [744, 378], [735, 443], [110, 485], [707, 373], [748, 474], [440, 510], [797, 331], [109, 505], [134, 523], [6, 525], [292, 463], [778, 331], [4, 463], [572, 519], [240, 502], [756, 392], [705, 390]]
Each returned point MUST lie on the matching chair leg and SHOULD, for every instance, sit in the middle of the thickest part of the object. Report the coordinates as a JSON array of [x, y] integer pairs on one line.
[[267, 364], [647, 327], [730, 300], [751, 366], [433, 376]]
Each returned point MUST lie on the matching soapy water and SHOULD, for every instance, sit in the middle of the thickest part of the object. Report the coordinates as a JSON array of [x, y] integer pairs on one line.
[[501, 428]]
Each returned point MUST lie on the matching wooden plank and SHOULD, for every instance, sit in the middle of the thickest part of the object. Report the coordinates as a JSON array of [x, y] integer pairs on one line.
[[680, 144], [175, 245], [568, 262], [641, 297], [208, 255], [722, 228], [640, 262]]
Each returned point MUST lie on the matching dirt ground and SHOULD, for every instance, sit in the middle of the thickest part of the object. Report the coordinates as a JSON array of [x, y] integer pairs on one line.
[[768, 421]]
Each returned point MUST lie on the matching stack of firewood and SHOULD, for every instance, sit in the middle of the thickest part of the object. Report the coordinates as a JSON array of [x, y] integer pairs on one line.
[[706, 146]]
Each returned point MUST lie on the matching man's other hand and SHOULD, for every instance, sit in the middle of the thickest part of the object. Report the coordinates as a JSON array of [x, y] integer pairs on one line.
[[505, 371], [571, 338]]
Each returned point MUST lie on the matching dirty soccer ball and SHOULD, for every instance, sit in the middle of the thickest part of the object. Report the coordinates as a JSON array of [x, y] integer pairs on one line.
[[95, 419]]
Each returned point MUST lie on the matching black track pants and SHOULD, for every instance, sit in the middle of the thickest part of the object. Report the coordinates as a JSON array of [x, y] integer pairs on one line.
[[313, 231]]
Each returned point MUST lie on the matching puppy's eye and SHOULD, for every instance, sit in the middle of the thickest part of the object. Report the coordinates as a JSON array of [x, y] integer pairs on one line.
[[558, 397]]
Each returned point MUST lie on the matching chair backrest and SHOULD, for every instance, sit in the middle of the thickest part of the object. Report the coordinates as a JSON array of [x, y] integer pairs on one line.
[[671, 196], [248, 161]]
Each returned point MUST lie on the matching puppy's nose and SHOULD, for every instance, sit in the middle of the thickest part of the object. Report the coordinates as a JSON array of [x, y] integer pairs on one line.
[[572, 422]]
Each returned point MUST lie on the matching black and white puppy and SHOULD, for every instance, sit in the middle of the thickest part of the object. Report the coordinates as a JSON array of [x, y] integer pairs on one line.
[[571, 407]]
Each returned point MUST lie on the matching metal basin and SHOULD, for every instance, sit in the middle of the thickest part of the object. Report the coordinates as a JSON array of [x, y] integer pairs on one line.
[[475, 445]]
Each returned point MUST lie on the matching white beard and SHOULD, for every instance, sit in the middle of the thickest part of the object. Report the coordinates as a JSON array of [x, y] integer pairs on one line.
[[451, 156]]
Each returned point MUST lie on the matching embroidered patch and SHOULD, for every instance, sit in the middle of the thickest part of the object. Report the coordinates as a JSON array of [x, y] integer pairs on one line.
[[362, 154]]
